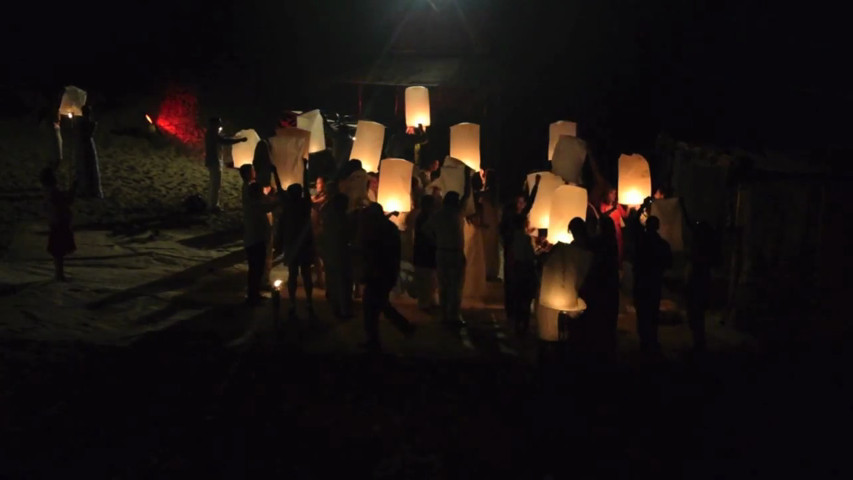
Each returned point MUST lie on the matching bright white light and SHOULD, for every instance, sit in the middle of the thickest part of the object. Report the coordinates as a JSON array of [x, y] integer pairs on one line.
[[277, 284], [70, 115], [633, 197]]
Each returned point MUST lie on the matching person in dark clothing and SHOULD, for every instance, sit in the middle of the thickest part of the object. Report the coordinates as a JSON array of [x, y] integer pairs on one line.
[[601, 288], [704, 254], [424, 256], [522, 284], [382, 268], [60, 239], [518, 208], [213, 140], [298, 244], [337, 259], [653, 257], [88, 171]]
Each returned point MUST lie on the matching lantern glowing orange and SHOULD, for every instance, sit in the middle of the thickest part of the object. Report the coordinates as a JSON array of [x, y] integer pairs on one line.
[[367, 145], [567, 202], [635, 179], [395, 185], [465, 144], [561, 127], [417, 106], [73, 100], [540, 213], [243, 153]]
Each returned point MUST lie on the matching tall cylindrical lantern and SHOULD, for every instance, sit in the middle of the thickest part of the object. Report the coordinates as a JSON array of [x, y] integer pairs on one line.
[[562, 276], [561, 127], [417, 106], [72, 102], [243, 153], [569, 157], [367, 144], [395, 185], [288, 149], [465, 144], [313, 122], [635, 179], [567, 202], [540, 213]]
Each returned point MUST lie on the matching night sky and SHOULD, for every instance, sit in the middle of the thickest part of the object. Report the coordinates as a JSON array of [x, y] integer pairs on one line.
[[726, 71]]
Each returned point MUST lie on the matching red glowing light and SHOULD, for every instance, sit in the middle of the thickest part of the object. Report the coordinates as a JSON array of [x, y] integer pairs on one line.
[[178, 116]]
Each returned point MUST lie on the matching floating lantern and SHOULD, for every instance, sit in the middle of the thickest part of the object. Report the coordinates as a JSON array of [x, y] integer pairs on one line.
[[395, 185], [567, 202], [288, 150], [558, 128], [568, 159], [72, 102], [541, 210], [465, 144], [367, 144], [243, 153], [313, 122], [417, 107], [635, 179], [669, 213]]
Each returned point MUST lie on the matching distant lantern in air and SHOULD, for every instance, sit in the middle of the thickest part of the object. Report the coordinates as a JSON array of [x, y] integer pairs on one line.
[[560, 127], [541, 211], [243, 153], [465, 144], [417, 106], [567, 202], [313, 122], [367, 144], [395, 185], [635, 179], [72, 102]]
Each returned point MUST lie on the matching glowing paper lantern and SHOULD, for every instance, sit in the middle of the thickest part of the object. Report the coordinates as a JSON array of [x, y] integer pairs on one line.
[[635, 179], [288, 150], [313, 122], [451, 179], [567, 202], [417, 106], [395, 185], [562, 276], [73, 101], [465, 144], [568, 159], [243, 153], [540, 213], [669, 213], [367, 144], [558, 128]]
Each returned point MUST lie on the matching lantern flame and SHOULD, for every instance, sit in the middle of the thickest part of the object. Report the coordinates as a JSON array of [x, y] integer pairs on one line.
[[70, 115], [277, 284], [634, 197], [148, 118]]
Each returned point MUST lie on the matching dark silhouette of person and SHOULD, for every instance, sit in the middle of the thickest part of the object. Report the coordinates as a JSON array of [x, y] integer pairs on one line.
[[88, 170], [424, 256], [341, 145], [704, 255], [262, 161], [653, 257], [337, 258], [256, 231], [519, 207], [60, 239], [601, 289], [522, 283], [382, 252], [445, 227], [213, 141], [298, 244]]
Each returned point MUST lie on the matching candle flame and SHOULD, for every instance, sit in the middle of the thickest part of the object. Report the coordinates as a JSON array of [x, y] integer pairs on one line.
[[277, 284], [149, 119], [70, 115]]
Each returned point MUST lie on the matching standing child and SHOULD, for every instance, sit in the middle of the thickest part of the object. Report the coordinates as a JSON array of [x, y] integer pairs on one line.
[[60, 240]]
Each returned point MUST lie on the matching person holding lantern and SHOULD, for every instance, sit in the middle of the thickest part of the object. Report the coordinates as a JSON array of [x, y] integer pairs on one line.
[[256, 231], [519, 207], [213, 141], [298, 244]]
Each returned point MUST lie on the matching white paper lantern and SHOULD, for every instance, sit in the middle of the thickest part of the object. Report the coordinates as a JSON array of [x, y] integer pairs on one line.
[[540, 213], [367, 144], [451, 178], [562, 276], [243, 153], [465, 144], [567, 202], [417, 106], [395, 185], [288, 150], [558, 128], [635, 179], [669, 213], [313, 122], [73, 101], [569, 157], [548, 322]]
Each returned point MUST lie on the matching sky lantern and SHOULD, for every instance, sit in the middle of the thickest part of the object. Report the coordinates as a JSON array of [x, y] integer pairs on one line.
[[313, 122], [417, 107], [567, 202], [288, 149], [395, 185], [367, 144], [560, 127], [669, 213], [635, 179], [73, 100], [541, 211], [569, 157], [562, 276], [465, 144], [451, 179], [243, 153]]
